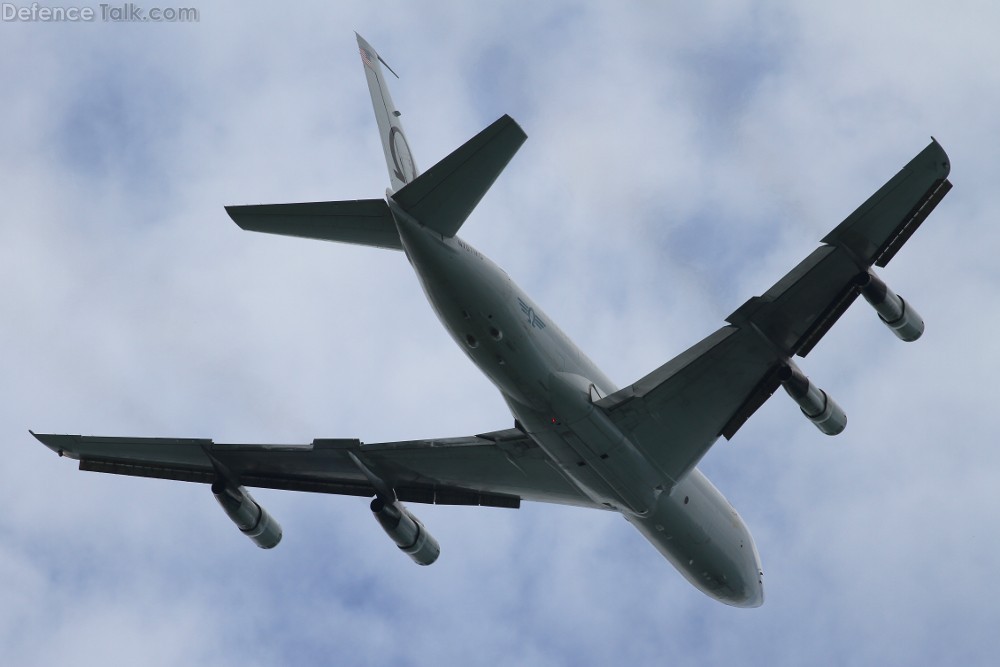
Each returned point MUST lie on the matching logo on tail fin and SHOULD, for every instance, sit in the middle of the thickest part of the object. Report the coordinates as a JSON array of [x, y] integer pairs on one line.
[[402, 161], [366, 57]]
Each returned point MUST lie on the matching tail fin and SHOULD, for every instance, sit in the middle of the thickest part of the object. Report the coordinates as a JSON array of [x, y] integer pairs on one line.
[[441, 199], [402, 168]]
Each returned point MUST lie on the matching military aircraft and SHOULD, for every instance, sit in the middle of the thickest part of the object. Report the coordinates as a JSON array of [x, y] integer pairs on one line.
[[577, 439]]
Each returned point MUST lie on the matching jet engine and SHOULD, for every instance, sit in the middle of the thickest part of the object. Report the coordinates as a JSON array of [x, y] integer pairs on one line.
[[252, 519], [815, 404], [894, 312], [406, 531]]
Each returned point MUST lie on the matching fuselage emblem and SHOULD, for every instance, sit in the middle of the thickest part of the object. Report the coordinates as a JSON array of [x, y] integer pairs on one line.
[[533, 319]]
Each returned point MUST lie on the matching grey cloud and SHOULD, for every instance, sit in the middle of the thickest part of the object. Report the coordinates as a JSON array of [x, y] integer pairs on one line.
[[134, 306]]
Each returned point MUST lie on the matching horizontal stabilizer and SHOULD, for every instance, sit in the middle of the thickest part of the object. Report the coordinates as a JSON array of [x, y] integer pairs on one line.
[[444, 196], [364, 221]]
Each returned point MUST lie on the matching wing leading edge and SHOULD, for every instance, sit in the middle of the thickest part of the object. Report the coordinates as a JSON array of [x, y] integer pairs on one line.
[[497, 469], [679, 410]]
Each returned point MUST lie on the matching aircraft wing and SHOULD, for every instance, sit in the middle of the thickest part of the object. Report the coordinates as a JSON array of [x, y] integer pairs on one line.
[[679, 410], [496, 469]]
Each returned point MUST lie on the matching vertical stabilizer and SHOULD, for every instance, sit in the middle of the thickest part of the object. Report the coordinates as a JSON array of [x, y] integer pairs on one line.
[[398, 158]]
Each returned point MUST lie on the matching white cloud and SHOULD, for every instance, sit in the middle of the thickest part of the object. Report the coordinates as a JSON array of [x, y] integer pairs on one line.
[[679, 161]]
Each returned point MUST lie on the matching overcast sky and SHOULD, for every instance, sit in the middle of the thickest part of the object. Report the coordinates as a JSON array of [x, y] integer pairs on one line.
[[681, 158]]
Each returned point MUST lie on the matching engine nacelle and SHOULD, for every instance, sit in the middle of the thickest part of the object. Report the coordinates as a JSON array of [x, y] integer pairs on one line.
[[894, 312], [406, 531], [815, 404], [252, 519]]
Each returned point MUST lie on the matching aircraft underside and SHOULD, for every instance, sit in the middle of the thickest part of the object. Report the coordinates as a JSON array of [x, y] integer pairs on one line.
[[577, 439]]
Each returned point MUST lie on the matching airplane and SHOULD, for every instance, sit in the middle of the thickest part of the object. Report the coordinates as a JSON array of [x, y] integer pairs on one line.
[[577, 439]]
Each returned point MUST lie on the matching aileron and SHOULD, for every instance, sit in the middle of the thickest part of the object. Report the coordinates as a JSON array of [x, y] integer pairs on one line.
[[902, 233], [876, 230]]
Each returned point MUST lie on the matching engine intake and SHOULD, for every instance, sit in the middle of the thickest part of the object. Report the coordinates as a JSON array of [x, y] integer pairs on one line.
[[815, 404], [894, 312], [252, 519], [406, 531]]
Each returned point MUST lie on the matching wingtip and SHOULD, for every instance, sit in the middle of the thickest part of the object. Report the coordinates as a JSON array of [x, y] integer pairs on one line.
[[945, 161], [231, 212], [510, 119], [54, 442], [40, 437]]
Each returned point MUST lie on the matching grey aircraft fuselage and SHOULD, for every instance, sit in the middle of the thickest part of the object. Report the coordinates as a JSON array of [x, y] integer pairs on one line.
[[549, 385]]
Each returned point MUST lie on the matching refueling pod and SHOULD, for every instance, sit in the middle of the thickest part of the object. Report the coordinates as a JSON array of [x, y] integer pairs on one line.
[[894, 312], [406, 531], [252, 519], [815, 404]]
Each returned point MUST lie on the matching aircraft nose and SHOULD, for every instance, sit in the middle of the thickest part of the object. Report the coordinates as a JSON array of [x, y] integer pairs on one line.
[[754, 592], [751, 593], [747, 588], [748, 594], [753, 580]]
